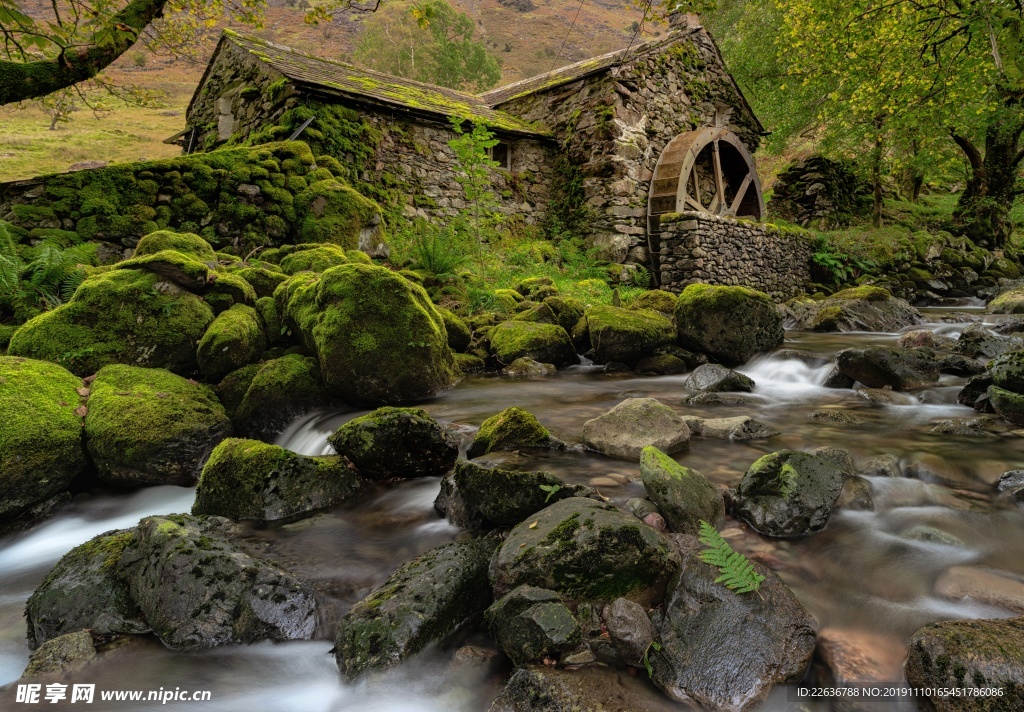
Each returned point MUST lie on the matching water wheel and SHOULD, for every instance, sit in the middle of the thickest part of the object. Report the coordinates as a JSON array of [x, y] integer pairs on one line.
[[707, 171]]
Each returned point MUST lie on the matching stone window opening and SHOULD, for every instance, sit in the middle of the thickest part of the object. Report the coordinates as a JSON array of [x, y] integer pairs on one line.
[[501, 153]]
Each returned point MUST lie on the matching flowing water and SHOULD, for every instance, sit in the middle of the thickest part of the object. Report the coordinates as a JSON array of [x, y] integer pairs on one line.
[[870, 577]]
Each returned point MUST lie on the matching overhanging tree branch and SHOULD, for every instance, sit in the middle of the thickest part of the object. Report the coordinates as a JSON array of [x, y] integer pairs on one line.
[[30, 80], [972, 153]]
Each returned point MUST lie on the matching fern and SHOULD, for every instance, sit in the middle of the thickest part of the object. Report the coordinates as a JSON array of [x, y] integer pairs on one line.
[[737, 573], [11, 266]]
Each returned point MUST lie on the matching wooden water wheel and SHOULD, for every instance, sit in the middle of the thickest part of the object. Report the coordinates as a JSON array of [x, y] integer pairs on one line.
[[707, 171]]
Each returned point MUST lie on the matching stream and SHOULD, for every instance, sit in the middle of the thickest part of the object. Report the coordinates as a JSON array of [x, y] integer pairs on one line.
[[870, 575]]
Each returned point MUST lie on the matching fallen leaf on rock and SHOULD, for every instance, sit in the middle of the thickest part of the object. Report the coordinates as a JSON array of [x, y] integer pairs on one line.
[[81, 410]]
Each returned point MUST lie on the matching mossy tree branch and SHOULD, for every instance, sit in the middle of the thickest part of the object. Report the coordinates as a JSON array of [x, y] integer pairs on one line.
[[30, 80]]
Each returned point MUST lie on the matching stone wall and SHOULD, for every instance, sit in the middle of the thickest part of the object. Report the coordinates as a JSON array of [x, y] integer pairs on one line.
[[700, 248], [615, 124]]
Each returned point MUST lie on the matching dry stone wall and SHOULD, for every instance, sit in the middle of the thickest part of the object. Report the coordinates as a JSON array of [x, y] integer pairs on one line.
[[699, 248]]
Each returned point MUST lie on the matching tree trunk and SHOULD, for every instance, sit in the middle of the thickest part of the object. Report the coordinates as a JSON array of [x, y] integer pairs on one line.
[[876, 175], [31, 80], [982, 212]]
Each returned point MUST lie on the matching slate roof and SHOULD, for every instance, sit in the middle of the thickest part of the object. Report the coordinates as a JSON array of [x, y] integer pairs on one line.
[[332, 77]]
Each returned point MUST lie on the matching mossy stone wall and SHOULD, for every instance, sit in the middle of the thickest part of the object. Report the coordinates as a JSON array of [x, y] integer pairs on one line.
[[700, 248]]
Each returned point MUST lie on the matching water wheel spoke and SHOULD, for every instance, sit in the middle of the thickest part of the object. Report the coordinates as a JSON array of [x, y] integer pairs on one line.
[[740, 192], [719, 179], [696, 187], [694, 204]]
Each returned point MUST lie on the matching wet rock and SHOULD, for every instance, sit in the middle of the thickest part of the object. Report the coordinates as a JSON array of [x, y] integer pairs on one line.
[[788, 493], [859, 309], [424, 601], [684, 496], [458, 333], [235, 338], [1008, 302], [1011, 484], [511, 429], [1007, 371], [531, 624], [739, 427], [641, 507], [963, 428], [567, 311], [931, 535], [1010, 325], [878, 366], [975, 388], [634, 424], [627, 335], [837, 458], [279, 392], [1008, 405], [545, 689], [528, 368], [585, 550], [957, 365], [856, 656], [661, 365], [723, 650], [835, 379], [713, 378], [655, 521], [977, 341], [40, 434], [719, 399], [971, 653], [856, 495], [147, 426], [83, 590], [547, 343], [844, 417], [62, 655], [396, 443], [881, 397], [480, 497], [196, 589], [982, 584], [925, 338], [730, 324], [882, 466], [249, 479], [630, 629]]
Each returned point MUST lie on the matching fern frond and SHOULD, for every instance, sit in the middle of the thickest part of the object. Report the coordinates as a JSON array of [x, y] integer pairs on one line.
[[737, 573]]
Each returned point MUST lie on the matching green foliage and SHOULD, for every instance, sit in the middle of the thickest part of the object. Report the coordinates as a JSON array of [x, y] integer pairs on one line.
[[737, 573], [472, 151], [655, 646], [430, 42], [551, 490], [830, 264], [43, 276], [438, 250]]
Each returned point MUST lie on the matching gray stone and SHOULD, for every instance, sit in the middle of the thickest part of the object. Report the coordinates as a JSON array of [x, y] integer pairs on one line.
[[684, 496], [531, 624], [738, 427], [528, 368], [713, 378], [630, 629], [61, 656], [976, 340], [545, 689], [396, 443], [878, 366], [634, 424]]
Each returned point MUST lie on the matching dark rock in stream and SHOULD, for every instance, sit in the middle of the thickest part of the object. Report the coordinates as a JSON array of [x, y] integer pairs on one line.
[[1009, 405], [630, 629], [544, 689], [713, 378], [730, 324], [976, 340], [480, 497], [789, 493], [531, 624], [1007, 371], [685, 497], [61, 656], [974, 390], [424, 601], [957, 365], [661, 365], [722, 650], [396, 443], [865, 308], [524, 367], [197, 590], [83, 590], [836, 379], [1011, 484], [587, 551], [736, 428], [970, 654], [879, 366]]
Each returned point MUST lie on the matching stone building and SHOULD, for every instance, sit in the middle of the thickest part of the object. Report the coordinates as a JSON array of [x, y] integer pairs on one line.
[[606, 146]]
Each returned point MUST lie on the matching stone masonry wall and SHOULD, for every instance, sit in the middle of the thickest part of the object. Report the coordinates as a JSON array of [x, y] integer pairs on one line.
[[700, 248], [614, 126]]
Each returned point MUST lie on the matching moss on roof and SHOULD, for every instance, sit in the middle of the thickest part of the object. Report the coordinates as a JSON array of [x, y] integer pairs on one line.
[[334, 77]]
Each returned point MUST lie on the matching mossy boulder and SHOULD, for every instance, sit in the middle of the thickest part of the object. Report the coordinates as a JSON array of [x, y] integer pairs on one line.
[[635, 423], [627, 335], [249, 479], [1009, 405], [61, 655], [263, 281], [459, 335], [83, 590], [969, 654], [586, 551], [183, 270], [424, 601], [147, 426], [40, 434], [567, 311], [531, 624], [1009, 302], [538, 313], [684, 496], [865, 308], [331, 211], [122, 316], [234, 339], [546, 343], [531, 285], [726, 651], [479, 497], [185, 243], [524, 367], [377, 336], [730, 324], [275, 394], [656, 300], [396, 443], [978, 342], [788, 493], [468, 363], [511, 429], [1008, 371], [880, 366], [316, 258], [197, 589], [227, 289], [662, 365]]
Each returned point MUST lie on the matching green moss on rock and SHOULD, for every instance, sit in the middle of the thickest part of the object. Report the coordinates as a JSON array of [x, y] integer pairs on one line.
[[729, 323], [459, 335], [227, 289], [40, 433], [392, 443], [546, 343], [316, 259], [122, 316], [186, 243], [684, 496], [627, 335], [331, 211], [234, 339], [280, 391], [262, 280], [148, 426], [510, 429]]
